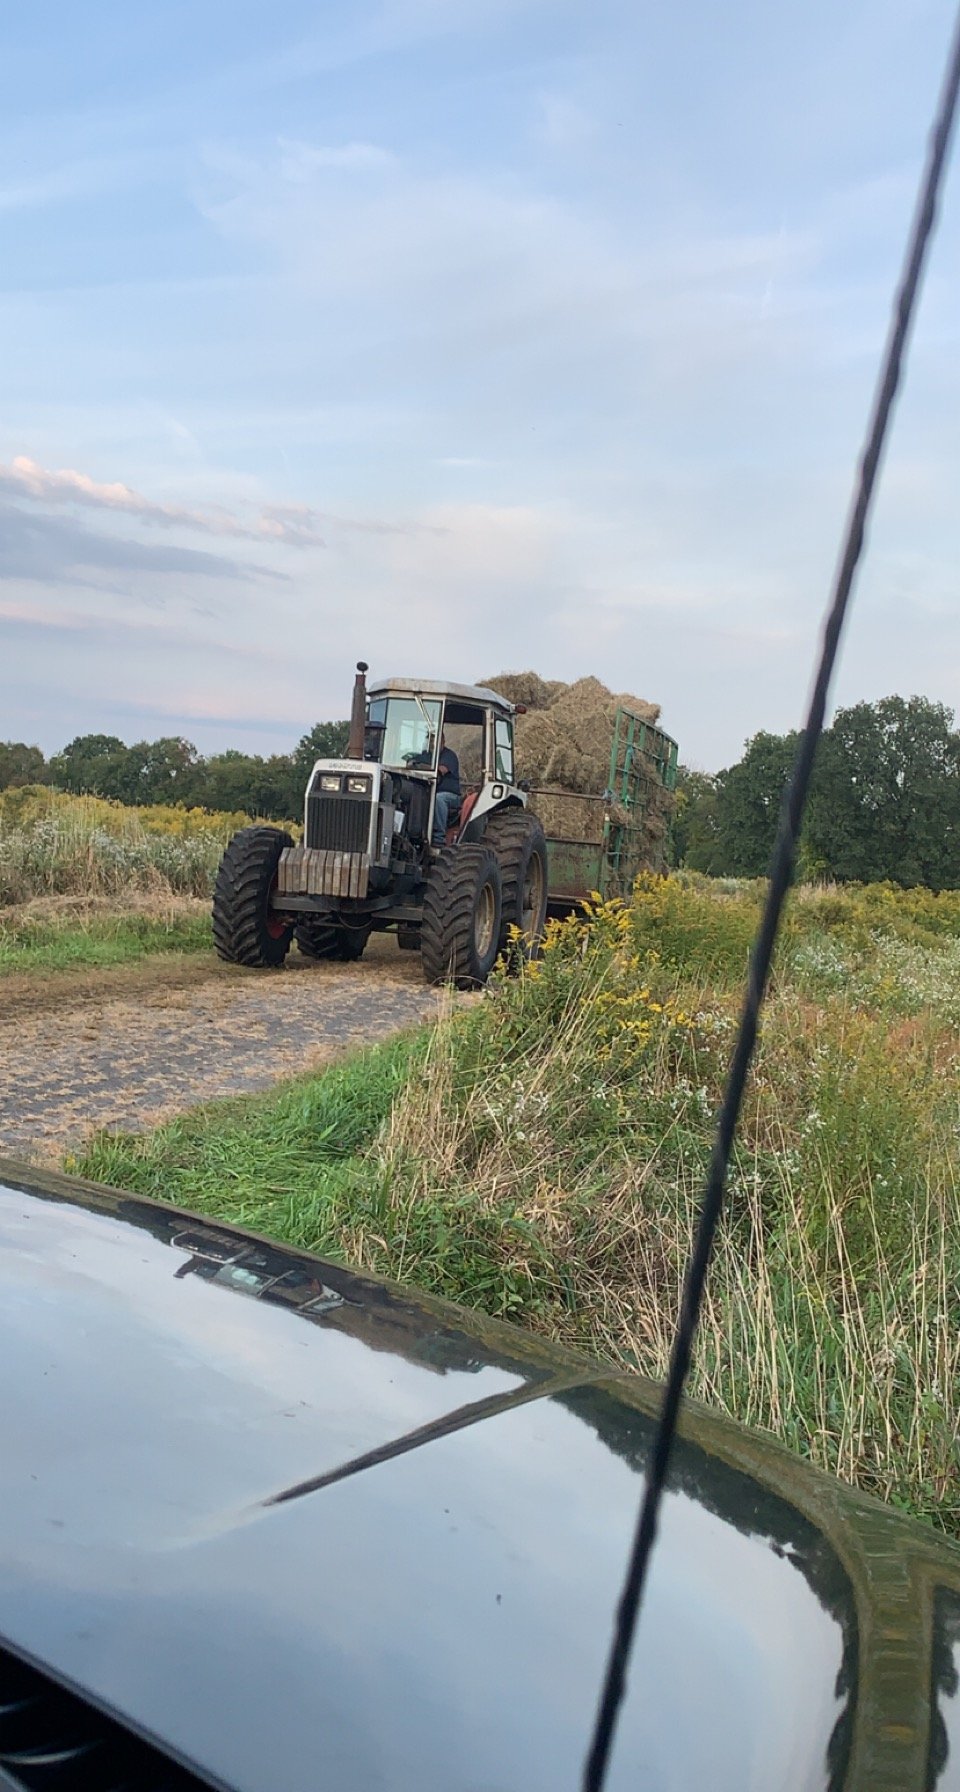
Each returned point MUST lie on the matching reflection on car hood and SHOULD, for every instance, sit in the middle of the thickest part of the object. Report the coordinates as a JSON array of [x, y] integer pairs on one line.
[[328, 1534]]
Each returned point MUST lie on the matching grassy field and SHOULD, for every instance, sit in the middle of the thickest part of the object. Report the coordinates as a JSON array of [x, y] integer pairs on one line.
[[58, 934], [57, 845], [540, 1155], [87, 882], [25, 806]]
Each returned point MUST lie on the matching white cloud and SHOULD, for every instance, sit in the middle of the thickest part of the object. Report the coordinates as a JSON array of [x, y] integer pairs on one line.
[[24, 478], [284, 524], [58, 550]]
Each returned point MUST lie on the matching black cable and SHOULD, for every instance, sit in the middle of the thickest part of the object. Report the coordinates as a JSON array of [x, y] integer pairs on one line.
[[781, 874]]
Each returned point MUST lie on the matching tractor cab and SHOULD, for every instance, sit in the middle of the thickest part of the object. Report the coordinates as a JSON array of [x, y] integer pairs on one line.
[[407, 720]]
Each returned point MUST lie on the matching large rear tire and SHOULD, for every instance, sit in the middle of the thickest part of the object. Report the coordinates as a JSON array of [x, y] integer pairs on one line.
[[518, 840], [460, 933], [331, 939], [245, 929]]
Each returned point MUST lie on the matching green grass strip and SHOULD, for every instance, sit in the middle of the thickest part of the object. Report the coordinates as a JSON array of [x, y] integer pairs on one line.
[[100, 941], [277, 1162]]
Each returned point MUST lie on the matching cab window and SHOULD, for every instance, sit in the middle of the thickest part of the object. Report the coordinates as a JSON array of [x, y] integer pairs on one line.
[[503, 755], [408, 732]]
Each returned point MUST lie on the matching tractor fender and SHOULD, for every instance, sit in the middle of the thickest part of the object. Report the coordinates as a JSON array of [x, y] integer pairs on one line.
[[494, 794]]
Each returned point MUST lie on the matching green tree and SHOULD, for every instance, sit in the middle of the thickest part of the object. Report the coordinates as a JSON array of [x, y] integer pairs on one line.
[[234, 780], [151, 771], [160, 771], [326, 740], [20, 764], [748, 801], [282, 788], [887, 797], [693, 829], [223, 781], [94, 765]]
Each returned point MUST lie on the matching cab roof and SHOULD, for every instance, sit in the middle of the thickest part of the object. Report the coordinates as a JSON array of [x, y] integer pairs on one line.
[[440, 687]]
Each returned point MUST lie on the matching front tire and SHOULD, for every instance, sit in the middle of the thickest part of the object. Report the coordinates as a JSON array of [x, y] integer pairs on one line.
[[518, 840], [462, 906], [245, 928]]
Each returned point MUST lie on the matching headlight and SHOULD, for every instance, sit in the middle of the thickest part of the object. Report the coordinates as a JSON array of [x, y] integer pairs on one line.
[[358, 786], [329, 781]]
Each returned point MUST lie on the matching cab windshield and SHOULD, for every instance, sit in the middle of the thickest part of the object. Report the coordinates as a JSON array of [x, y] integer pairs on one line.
[[404, 731]]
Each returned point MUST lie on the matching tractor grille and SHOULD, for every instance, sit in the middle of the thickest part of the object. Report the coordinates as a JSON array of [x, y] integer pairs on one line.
[[338, 823], [52, 1740]]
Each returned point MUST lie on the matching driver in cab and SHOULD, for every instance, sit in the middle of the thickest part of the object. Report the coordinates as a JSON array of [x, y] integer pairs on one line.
[[448, 792]]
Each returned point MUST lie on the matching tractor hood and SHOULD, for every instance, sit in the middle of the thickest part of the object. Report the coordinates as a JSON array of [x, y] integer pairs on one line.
[[308, 1531]]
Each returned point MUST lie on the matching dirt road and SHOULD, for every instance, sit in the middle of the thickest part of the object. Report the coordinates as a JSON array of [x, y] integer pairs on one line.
[[127, 1047]]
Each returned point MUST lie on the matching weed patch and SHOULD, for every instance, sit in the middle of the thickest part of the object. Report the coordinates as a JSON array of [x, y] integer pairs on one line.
[[52, 844]]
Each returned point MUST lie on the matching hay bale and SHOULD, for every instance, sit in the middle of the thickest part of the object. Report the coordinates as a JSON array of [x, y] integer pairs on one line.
[[576, 767], [564, 743], [568, 816], [588, 697], [547, 755], [566, 737], [648, 712], [524, 687], [581, 698], [536, 743]]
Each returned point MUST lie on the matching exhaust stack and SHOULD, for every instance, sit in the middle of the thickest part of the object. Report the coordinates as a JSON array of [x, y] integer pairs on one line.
[[358, 713]]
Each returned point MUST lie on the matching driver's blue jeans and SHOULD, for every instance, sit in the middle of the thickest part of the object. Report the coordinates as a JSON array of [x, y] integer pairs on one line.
[[446, 802]]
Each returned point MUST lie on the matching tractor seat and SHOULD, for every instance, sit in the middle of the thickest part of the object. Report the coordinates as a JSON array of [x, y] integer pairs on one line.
[[461, 816]]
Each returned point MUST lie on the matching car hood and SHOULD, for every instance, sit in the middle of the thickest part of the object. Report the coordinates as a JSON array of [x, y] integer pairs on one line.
[[307, 1530]]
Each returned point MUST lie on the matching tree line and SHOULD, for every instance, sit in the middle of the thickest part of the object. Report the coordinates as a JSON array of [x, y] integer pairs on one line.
[[884, 803], [172, 771]]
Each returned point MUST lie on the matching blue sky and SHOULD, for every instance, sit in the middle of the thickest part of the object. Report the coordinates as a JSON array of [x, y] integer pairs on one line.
[[461, 335]]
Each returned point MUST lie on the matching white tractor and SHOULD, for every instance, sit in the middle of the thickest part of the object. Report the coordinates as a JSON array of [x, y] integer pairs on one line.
[[366, 862]]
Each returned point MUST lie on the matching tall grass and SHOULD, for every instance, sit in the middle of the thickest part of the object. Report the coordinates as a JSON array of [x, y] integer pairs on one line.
[[23, 807], [541, 1156], [52, 844], [550, 1156]]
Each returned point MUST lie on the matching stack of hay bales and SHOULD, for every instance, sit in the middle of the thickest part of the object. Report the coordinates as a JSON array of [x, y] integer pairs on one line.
[[563, 747]]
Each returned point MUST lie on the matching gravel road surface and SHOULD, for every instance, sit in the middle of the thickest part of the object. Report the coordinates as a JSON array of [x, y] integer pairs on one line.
[[127, 1047]]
